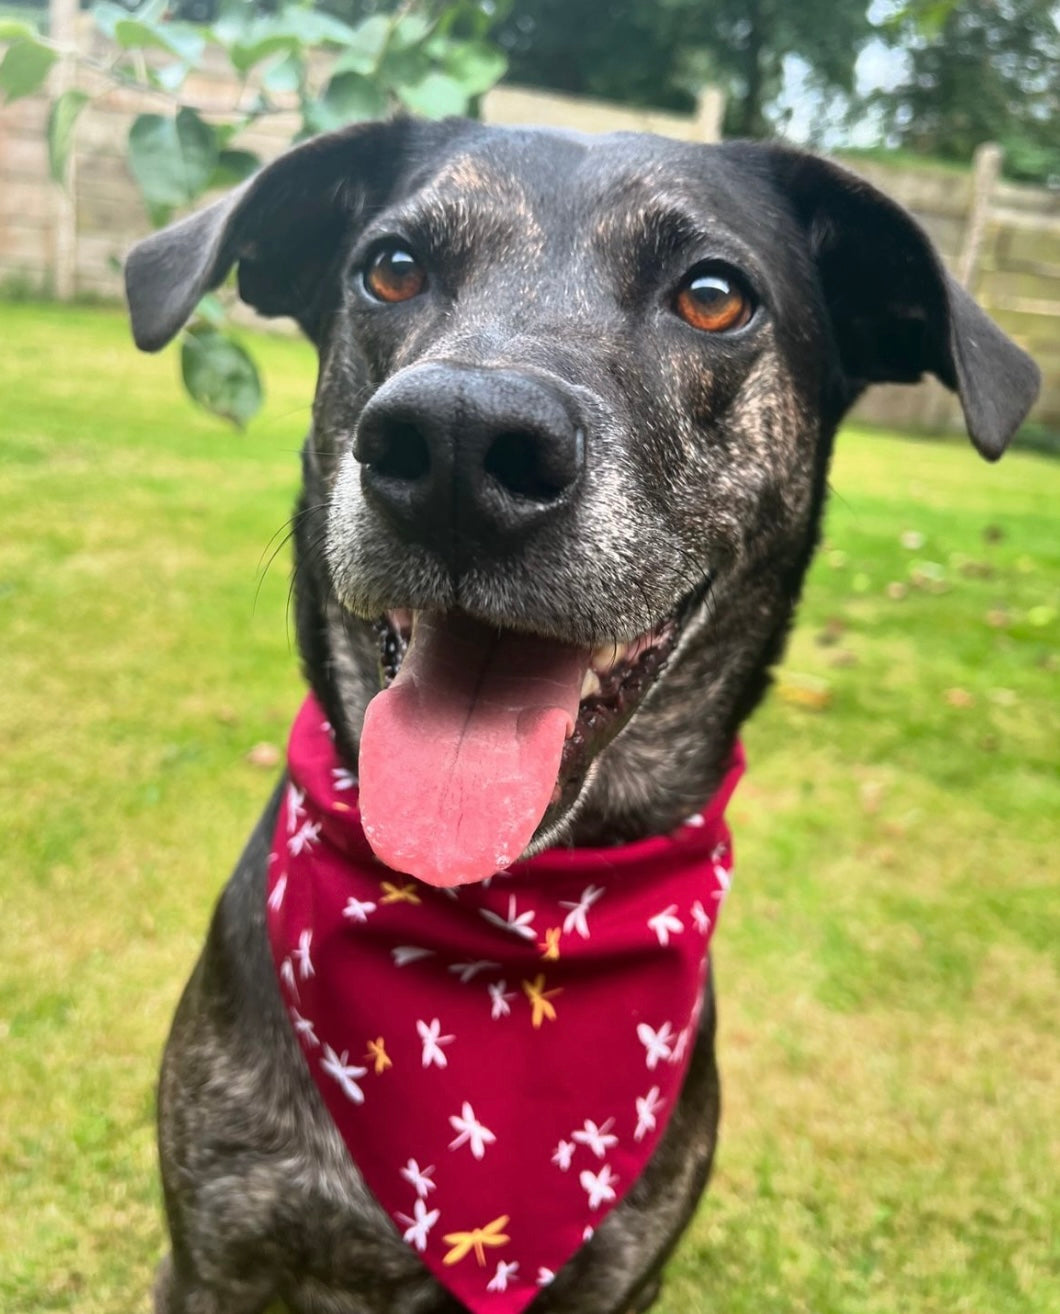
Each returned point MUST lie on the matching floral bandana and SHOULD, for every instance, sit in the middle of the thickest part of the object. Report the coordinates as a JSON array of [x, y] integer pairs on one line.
[[501, 1059]]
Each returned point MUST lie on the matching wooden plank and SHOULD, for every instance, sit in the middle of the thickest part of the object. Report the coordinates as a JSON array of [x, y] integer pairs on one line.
[[28, 202]]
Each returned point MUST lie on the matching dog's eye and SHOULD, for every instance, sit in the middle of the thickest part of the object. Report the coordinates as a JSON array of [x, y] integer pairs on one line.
[[393, 274], [714, 300]]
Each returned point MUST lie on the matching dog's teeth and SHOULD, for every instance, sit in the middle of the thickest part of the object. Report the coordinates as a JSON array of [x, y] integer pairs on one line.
[[608, 655], [591, 684]]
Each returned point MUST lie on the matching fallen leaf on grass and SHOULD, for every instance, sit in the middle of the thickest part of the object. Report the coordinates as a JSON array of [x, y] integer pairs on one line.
[[960, 698], [896, 591], [912, 539], [833, 631], [807, 691], [871, 794], [264, 755]]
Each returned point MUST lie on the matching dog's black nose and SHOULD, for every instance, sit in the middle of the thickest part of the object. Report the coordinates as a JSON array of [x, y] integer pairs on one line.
[[466, 458]]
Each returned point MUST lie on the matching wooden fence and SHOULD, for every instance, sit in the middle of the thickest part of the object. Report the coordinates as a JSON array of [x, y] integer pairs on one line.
[[1004, 240]]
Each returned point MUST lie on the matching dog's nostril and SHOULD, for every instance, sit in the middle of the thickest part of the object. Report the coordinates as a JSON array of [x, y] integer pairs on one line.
[[404, 455], [524, 466]]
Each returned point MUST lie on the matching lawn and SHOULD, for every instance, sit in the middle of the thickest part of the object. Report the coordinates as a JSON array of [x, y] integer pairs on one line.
[[888, 960]]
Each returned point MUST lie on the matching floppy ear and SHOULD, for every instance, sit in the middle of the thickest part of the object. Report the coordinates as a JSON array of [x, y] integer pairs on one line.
[[285, 227], [895, 310]]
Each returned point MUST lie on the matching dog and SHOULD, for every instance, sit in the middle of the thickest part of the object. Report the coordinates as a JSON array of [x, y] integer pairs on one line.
[[576, 395]]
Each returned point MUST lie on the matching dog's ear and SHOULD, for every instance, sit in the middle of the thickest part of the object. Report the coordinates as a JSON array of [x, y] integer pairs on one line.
[[895, 311], [284, 226]]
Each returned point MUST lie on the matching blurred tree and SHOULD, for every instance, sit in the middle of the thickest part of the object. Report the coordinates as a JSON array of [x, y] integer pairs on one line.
[[659, 52], [989, 70]]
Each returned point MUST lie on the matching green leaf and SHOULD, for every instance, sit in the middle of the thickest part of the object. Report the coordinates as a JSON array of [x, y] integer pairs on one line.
[[24, 68], [435, 96], [366, 46], [12, 29], [244, 55], [286, 74], [219, 374], [132, 34], [211, 308], [349, 98], [410, 31], [476, 65], [61, 122], [172, 159], [178, 39], [234, 167], [106, 15], [170, 77]]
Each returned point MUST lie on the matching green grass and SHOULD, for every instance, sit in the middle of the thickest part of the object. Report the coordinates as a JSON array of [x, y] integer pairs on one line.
[[887, 965]]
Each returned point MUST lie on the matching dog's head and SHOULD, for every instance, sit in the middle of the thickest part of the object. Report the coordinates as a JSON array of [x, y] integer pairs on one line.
[[570, 438]]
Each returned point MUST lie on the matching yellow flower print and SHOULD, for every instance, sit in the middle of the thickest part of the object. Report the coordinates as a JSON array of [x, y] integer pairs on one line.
[[550, 948], [399, 893], [539, 999], [476, 1240], [378, 1056]]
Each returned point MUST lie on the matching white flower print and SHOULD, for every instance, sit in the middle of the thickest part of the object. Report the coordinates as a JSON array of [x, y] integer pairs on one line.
[[287, 976], [433, 1040], [295, 807], [420, 1179], [419, 1225], [505, 1272], [545, 1276], [516, 922], [721, 875], [342, 779], [666, 923], [648, 1107], [357, 910], [696, 819], [344, 1072], [701, 918], [403, 954], [597, 1139], [575, 920], [563, 1155], [681, 1046], [304, 1028], [278, 891], [499, 997], [587, 1233], [658, 1045], [472, 1132], [468, 971], [304, 838], [302, 956], [599, 1186]]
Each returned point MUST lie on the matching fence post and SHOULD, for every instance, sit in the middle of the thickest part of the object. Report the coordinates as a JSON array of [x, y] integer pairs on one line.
[[986, 166], [63, 29]]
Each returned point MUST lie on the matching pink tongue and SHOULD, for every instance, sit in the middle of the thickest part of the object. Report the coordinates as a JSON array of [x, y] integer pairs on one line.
[[459, 757]]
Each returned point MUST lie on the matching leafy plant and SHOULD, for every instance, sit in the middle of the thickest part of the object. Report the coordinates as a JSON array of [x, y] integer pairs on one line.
[[432, 60]]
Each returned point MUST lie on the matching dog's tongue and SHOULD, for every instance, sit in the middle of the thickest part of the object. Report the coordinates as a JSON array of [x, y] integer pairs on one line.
[[459, 757]]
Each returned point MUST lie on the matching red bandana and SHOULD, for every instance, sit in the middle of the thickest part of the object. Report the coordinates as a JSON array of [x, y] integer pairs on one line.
[[501, 1059]]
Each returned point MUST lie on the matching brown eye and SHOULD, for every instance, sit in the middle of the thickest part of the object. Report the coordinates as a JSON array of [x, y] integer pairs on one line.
[[714, 302], [393, 274]]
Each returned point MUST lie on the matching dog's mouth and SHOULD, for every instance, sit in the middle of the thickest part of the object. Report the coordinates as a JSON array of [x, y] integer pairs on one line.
[[480, 734]]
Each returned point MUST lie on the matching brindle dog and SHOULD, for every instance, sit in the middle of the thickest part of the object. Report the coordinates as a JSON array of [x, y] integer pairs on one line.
[[580, 387]]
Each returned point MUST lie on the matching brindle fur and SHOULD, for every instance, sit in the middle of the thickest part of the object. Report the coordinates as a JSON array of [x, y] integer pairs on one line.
[[556, 256]]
